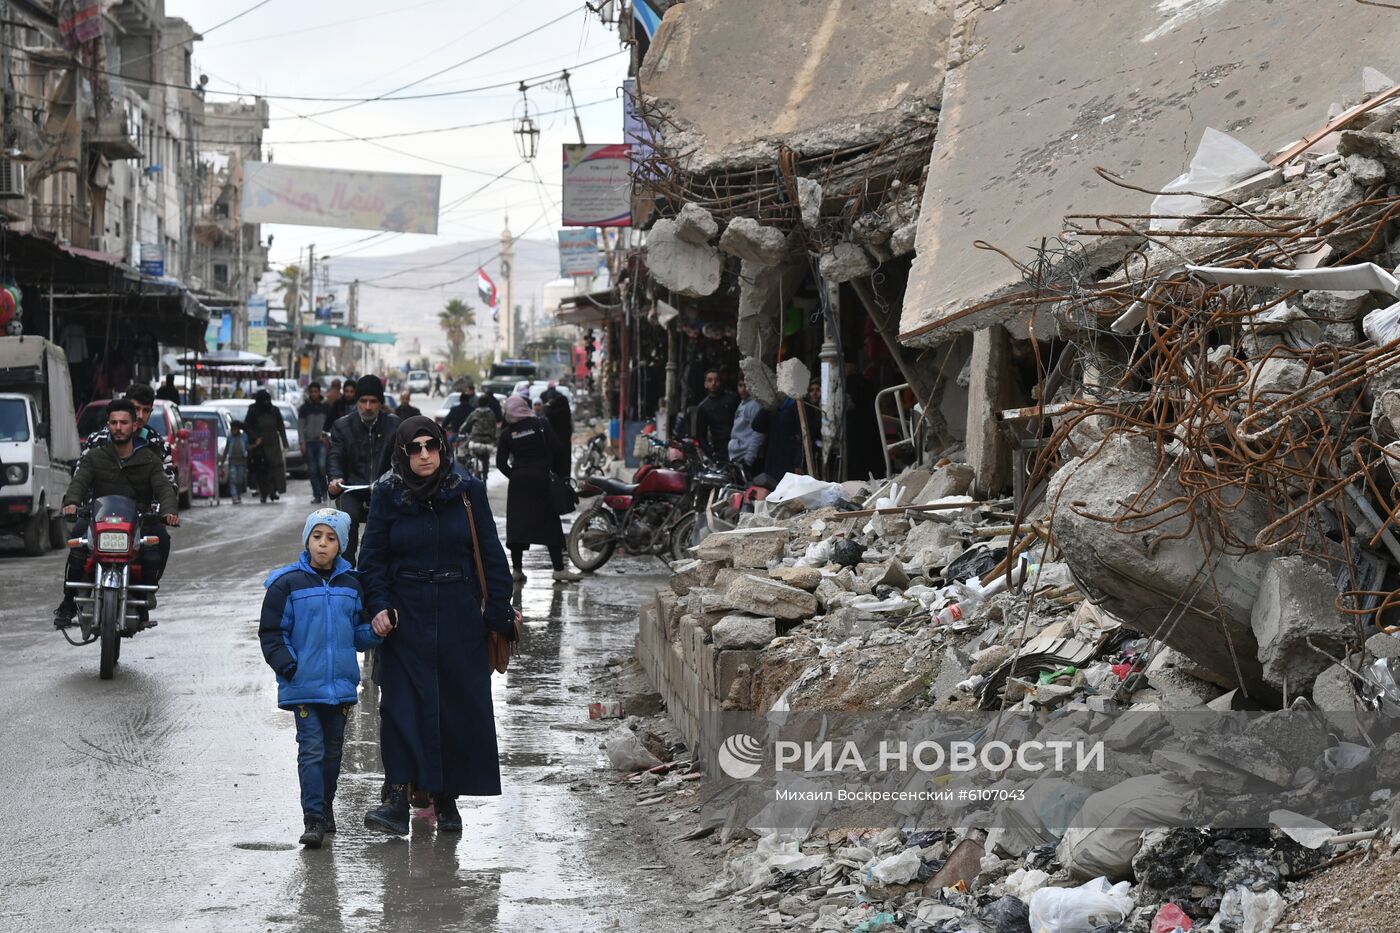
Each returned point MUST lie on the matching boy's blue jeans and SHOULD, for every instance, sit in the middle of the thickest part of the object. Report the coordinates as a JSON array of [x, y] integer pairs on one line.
[[320, 743], [237, 479]]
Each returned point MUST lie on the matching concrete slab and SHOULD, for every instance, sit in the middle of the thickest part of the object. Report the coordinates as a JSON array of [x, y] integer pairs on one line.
[[1025, 121], [737, 77]]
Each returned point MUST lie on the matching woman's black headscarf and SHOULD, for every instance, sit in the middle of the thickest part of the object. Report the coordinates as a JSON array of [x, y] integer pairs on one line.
[[422, 488], [262, 402]]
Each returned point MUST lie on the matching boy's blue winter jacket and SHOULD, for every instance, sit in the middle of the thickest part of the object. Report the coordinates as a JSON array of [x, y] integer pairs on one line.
[[310, 630]]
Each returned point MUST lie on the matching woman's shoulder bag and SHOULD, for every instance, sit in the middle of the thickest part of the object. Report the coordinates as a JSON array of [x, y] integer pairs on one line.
[[498, 648]]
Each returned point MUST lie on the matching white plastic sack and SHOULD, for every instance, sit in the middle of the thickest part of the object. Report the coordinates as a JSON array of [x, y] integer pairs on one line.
[[1107, 831], [812, 493], [1220, 162], [1246, 911], [1382, 325], [1078, 910], [1023, 882], [626, 751], [897, 869]]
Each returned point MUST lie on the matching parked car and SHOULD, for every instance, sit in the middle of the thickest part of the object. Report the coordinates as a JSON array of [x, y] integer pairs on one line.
[[165, 421], [222, 422], [419, 381], [238, 410], [38, 441], [285, 389]]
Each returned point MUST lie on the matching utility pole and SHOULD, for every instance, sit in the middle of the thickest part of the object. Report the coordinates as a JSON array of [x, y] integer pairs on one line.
[[311, 295], [506, 319]]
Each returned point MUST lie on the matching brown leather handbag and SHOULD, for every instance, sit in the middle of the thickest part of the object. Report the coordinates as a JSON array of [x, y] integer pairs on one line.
[[498, 648]]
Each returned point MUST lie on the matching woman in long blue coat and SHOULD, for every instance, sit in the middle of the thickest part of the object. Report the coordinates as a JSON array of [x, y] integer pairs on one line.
[[437, 731]]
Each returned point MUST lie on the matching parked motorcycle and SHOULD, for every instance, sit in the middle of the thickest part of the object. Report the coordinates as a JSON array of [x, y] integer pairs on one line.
[[111, 596], [655, 514]]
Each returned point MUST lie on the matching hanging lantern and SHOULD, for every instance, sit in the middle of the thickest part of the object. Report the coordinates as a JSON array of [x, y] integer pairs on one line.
[[527, 130]]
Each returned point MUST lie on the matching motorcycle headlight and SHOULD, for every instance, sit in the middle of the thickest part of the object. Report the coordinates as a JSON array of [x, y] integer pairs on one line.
[[16, 473], [117, 541]]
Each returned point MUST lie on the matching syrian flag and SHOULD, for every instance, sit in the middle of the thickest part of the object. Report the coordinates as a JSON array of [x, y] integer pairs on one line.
[[486, 288]]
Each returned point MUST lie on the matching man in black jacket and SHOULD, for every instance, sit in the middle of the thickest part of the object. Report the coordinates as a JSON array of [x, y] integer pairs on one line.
[[714, 417], [361, 448], [313, 427]]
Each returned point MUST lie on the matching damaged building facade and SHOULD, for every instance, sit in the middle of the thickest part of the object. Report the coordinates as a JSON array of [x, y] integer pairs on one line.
[[1146, 301]]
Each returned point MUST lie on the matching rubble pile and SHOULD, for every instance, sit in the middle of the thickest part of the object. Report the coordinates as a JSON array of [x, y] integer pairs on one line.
[[1207, 527]]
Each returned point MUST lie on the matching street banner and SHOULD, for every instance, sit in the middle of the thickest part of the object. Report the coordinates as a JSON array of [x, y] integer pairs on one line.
[[578, 252], [257, 324], [597, 189], [323, 197], [204, 459]]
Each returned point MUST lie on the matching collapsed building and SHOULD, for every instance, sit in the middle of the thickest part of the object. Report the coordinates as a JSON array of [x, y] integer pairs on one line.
[[1151, 319]]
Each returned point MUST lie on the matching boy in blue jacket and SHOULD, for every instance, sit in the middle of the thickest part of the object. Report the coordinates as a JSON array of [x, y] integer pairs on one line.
[[312, 625]]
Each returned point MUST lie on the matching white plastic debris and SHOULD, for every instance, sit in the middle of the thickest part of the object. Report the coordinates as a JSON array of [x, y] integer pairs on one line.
[[1382, 325], [1023, 882], [1307, 832], [897, 869], [626, 751], [812, 493], [1079, 910], [1220, 162], [1246, 911]]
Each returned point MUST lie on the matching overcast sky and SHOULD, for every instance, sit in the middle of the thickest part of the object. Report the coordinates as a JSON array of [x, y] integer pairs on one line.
[[362, 48]]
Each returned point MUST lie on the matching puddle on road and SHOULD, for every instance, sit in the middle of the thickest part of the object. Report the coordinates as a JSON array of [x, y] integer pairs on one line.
[[265, 846]]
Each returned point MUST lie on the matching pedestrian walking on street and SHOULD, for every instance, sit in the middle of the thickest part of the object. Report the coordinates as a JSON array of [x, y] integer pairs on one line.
[[312, 624], [313, 428], [406, 407], [361, 447], [437, 731], [237, 461], [527, 453], [714, 416], [267, 446]]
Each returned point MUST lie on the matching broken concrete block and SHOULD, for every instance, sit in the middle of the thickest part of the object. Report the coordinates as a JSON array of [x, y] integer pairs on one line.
[[903, 239], [804, 578], [1179, 690], [832, 595], [809, 202], [843, 262], [696, 225], [1380, 147], [751, 241], [762, 382], [751, 548], [1332, 691], [954, 479], [688, 574], [1382, 645], [761, 596], [687, 268], [1146, 589], [1296, 604], [760, 288], [742, 631], [1385, 416], [1365, 170], [793, 378], [889, 573]]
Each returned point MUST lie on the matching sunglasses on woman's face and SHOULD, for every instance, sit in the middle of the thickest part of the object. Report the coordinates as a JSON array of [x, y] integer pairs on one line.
[[413, 448]]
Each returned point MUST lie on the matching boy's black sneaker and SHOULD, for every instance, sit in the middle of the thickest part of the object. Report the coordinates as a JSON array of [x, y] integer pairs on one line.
[[315, 832], [448, 819], [392, 815]]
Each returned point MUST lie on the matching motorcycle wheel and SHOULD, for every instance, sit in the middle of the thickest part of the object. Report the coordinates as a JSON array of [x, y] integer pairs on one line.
[[682, 537], [586, 558], [110, 633]]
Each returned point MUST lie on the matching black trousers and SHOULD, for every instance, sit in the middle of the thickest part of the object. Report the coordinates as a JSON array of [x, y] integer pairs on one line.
[[354, 505], [556, 555]]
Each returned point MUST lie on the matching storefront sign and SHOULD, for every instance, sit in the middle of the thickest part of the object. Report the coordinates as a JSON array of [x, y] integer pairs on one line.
[[578, 252], [204, 459], [152, 259], [597, 188], [274, 193]]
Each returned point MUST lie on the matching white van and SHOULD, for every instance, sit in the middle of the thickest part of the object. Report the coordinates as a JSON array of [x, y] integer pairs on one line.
[[38, 441], [419, 381]]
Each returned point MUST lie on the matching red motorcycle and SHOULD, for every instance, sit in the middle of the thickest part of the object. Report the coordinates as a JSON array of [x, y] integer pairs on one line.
[[112, 599], [654, 515]]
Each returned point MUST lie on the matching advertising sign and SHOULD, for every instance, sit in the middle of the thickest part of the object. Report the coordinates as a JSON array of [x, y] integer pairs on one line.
[[211, 333], [152, 259], [578, 252], [274, 193], [204, 459], [257, 324], [597, 188]]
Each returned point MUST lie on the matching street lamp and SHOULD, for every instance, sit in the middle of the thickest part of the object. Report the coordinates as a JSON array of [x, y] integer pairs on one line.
[[527, 131]]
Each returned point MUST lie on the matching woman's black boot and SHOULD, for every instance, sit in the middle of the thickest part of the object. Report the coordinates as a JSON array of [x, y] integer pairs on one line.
[[391, 816], [448, 819]]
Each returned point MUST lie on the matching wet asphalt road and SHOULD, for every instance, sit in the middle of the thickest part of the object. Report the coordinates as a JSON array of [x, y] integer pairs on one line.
[[166, 799]]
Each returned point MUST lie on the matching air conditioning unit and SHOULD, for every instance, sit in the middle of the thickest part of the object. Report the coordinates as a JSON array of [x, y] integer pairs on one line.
[[11, 179]]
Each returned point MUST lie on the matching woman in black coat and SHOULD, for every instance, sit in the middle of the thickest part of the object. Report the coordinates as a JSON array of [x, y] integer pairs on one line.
[[526, 453], [267, 435], [437, 731]]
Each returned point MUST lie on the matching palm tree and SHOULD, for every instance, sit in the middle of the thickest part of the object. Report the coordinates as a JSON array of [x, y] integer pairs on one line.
[[289, 282], [454, 319]]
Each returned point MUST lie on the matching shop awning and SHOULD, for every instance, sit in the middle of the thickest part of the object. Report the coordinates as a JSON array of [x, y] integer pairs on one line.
[[589, 310], [345, 333]]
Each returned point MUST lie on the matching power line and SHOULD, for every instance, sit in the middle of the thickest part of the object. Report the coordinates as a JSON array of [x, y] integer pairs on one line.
[[396, 11], [205, 32], [452, 67]]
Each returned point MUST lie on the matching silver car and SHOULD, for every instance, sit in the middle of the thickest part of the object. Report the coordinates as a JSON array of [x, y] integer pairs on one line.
[[238, 409]]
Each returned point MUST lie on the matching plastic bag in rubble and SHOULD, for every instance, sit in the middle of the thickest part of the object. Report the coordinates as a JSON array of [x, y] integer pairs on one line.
[[775, 852], [1382, 325], [897, 869], [1220, 161], [626, 751], [818, 554], [812, 493], [1246, 911], [1079, 910], [1106, 833]]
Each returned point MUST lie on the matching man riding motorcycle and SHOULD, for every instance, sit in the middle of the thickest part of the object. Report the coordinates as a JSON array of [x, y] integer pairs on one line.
[[361, 446], [143, 397], [125, 465]]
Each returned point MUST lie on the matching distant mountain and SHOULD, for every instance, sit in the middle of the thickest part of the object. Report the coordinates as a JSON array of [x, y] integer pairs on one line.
[[405, 292]]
